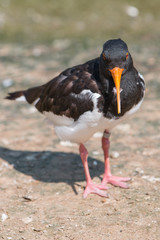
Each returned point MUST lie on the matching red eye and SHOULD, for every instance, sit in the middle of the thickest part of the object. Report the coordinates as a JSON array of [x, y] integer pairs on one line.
[[104, 56], [126, 55]]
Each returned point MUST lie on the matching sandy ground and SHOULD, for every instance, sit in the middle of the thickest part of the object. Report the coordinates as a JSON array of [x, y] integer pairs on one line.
[[42, 179]]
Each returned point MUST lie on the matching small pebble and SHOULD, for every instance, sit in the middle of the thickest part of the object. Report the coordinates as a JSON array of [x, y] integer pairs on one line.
[[114, 155], [151, 179], [138, 171], [103, 201], [4, 217], [67, 144], [5, 141], [50, 225], [95, 163], [27, 220], [132, 11], [27, 198], [95, 153], [36, 230], [7, 82], [4, 165]]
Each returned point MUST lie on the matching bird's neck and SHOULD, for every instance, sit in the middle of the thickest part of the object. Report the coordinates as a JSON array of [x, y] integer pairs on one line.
[[106, 81]]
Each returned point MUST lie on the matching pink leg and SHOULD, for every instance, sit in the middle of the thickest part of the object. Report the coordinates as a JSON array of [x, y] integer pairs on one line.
[[108, 177], [90, 186]]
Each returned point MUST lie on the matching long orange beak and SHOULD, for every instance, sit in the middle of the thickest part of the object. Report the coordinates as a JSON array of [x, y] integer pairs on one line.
[[116, 75]]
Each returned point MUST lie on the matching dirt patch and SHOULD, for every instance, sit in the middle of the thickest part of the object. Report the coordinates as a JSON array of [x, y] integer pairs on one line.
[[42, 180]]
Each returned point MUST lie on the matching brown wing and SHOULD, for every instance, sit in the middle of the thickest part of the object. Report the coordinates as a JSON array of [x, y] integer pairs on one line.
[[63, 95]]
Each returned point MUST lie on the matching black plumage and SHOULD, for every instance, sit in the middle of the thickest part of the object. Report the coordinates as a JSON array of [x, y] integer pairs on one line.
[[107, 87]]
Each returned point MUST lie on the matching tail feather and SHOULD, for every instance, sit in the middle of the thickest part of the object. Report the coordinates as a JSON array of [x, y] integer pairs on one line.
[[15, 95], [30, 95]]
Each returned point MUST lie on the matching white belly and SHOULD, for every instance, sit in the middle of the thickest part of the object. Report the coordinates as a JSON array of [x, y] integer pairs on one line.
[[81, 130], [87, 125]]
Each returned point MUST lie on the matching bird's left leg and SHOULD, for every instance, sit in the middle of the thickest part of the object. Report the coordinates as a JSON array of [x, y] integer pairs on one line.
[[108, 177], [90, 186]]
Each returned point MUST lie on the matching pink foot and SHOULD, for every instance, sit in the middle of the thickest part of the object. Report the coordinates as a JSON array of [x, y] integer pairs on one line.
[[116, 181], [108, 177], [92, 188]]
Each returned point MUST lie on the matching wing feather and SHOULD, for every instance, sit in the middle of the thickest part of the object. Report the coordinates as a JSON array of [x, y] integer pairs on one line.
[[66, 96]]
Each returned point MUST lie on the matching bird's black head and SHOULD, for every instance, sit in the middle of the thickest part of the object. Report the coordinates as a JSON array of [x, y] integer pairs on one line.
[[115, 60]]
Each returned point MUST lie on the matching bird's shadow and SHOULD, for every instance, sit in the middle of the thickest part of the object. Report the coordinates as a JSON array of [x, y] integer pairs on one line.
[[47, 166]]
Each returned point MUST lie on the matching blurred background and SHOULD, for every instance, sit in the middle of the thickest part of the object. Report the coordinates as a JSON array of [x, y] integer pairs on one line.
[[46, 36], [50, 35], [43, 21]]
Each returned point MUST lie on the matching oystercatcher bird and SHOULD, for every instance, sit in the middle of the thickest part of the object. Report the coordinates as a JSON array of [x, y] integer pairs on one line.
[[88, 98]]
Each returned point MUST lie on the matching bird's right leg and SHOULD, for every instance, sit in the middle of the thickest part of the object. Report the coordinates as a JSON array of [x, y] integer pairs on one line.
[[90, 186], [108, 177]]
